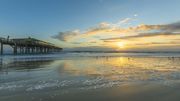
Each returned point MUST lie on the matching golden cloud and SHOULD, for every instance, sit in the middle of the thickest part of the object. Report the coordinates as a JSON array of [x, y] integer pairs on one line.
[[108, 32]]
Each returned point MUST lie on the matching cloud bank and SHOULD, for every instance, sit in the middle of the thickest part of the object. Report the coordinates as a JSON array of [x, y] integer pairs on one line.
[[106, 34]]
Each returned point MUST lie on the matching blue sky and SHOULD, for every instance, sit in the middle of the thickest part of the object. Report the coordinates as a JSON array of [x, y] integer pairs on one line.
[[45, 18]]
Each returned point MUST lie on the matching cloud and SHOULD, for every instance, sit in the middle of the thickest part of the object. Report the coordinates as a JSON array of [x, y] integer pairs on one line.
[[142, 35], [152, 30], [101, 29], [126, 20], [135, 15], [159, 43], [122, 22], [65, 36], [173, 27], [106, 32]]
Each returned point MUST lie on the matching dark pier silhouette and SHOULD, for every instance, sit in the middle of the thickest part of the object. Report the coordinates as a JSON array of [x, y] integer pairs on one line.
[[28, 46]]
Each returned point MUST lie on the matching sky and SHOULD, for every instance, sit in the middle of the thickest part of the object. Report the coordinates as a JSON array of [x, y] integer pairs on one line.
[[122, 25]]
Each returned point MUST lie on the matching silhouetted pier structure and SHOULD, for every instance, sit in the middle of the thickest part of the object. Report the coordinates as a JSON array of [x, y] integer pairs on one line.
[[28, 46]]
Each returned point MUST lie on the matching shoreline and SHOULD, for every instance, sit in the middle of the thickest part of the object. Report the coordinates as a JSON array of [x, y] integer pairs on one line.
[[124, 92]]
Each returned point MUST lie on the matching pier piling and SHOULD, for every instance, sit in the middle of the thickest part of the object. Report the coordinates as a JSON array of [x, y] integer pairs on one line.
[[1, 48]]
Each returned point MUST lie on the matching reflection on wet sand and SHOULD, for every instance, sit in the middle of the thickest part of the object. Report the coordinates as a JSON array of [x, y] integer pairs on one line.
[[121, 67], [90, 78], [25, 64]]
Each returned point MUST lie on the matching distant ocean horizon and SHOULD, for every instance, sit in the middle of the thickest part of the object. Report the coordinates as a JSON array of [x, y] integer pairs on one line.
[[99, 51], [66, 54]]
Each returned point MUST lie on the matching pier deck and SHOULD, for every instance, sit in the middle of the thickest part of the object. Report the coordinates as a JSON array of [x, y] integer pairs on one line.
[[28, 46]]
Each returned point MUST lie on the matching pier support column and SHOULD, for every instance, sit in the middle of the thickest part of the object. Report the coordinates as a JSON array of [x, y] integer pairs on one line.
[[26, 50], [41, 50], [32, 50], [21, 50], [1, 48], [44, 50], [37, 49], [15, 49], [29, 51], [47, 50]]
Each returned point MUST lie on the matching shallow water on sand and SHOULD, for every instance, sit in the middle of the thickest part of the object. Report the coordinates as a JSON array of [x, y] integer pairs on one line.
[[90, 76]]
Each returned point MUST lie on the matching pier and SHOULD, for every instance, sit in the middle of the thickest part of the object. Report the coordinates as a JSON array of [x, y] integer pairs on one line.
[[28, 46]]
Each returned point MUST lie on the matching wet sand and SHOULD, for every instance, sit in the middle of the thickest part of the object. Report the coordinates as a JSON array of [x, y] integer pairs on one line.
[[125, 92], [96, 78]]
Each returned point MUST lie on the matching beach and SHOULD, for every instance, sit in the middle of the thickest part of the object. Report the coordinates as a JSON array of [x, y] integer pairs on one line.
[[90, 77]]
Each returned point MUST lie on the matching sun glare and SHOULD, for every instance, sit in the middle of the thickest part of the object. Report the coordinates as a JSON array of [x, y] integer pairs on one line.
[[121, 44]]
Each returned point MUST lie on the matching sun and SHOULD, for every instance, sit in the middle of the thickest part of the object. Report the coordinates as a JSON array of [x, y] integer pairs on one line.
[[121, 44]]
